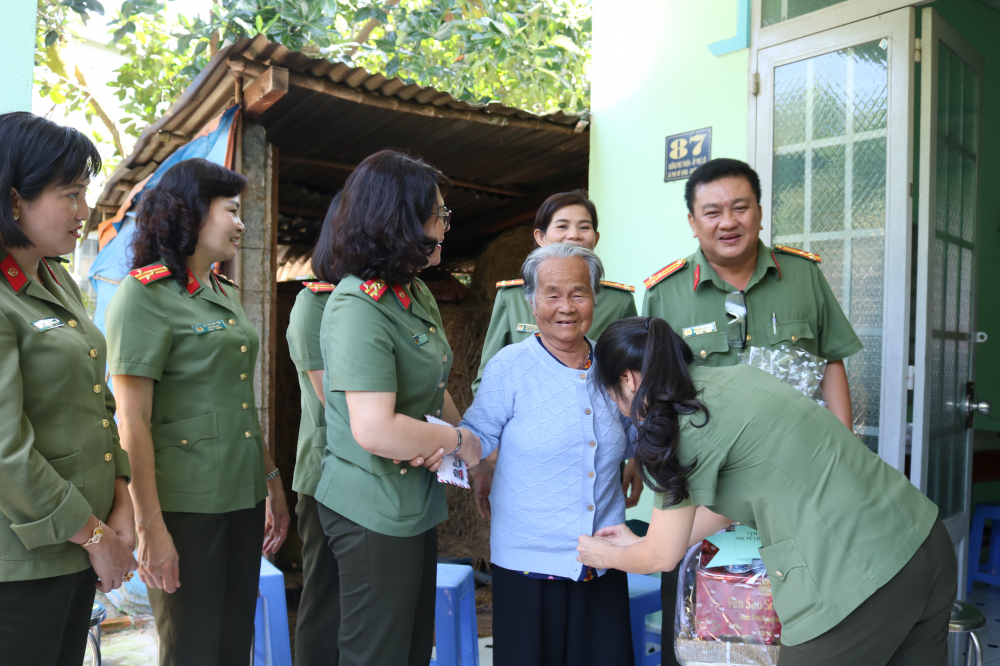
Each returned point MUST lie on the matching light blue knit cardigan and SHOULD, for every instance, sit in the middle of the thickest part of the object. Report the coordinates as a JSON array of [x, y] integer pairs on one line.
[[561, 443]]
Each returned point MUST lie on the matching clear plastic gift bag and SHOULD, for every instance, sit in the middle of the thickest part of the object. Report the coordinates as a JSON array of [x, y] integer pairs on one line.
[[724, 615], [792, 365]]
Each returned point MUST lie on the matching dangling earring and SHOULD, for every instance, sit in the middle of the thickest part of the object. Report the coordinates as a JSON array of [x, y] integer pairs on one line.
[[16, 216]]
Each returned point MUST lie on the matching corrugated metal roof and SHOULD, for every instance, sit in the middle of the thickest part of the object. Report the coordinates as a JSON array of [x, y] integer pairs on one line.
[[333, 116]]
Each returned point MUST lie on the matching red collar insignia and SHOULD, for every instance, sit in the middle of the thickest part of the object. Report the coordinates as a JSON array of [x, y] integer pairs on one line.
[[404, 298], [15, 276], [697, 276]]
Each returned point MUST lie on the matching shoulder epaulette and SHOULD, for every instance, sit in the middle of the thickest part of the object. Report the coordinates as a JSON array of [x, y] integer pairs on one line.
[[509, 283], [223, 278], [150, 273], [664, 272], [812, 256], [319, 287], [374, 288], [618, 285]]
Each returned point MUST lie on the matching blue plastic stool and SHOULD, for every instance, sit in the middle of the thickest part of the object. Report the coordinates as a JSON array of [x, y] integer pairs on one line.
[[271, 646], [455, 630], [643, 599], [990, 572]]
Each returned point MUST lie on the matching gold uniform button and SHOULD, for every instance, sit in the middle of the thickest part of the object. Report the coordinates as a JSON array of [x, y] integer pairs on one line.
[[105, 423], [441, 385], [93, 353], [593, 443], [403, 471], [247, 434], [246, 405], [432, 329], [97, 388], [794, 338], [704, 353], [586, 411], [437, 413], [184, 442], [108, 457], [590, 475], [243, 349], [590, 507], [444, 359], [748, 338], [72, 323], [243, 376], [232, 322], [778, 574]]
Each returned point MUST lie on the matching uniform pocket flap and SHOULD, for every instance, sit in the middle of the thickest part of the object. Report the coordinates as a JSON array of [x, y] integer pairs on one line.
[[708, 343], [793, 588], [69, 468], [789, 331], [185, 433], [781, 558]]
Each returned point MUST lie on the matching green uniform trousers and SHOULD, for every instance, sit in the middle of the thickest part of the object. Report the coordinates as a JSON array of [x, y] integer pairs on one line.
[[318, 621], [208, 621], [905, 623], [44, 622], [387, 590]]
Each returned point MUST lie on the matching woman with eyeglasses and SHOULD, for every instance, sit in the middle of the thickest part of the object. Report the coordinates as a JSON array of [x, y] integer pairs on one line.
[[386, 364], [860, 568]]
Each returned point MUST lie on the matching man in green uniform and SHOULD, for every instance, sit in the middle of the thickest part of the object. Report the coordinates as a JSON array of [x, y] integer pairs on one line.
[[734, 292]]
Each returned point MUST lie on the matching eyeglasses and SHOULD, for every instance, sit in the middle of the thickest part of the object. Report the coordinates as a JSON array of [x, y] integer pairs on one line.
[[736, 327], [445, 215]]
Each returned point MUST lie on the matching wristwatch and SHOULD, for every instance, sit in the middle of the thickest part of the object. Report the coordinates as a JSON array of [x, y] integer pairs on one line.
[[96, 538], [273, 474]]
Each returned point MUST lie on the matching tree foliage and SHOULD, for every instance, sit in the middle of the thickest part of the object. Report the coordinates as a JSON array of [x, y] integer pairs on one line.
[[531, 54]]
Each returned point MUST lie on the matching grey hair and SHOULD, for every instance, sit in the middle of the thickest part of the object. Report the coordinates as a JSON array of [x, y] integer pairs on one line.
[[529, 270]]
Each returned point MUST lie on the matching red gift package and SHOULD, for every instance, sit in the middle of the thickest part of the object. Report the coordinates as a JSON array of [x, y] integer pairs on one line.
[[733, 606]]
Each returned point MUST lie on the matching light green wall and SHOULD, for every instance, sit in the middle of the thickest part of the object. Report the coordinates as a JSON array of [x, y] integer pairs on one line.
[[17, 57], [979, 25], [652, 75]]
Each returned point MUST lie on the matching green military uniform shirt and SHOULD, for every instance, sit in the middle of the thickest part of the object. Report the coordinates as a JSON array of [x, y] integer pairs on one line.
[[788, 302], [199, 348], [512, 320], [307, 353], [387, 339], [836, 522], [58, 442]]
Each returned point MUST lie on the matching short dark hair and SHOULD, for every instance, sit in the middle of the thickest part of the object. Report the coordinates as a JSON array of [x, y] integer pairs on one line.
[[378, 229], [36, 153], [171, 214], [548, 209], [717, 169], [322, 259]]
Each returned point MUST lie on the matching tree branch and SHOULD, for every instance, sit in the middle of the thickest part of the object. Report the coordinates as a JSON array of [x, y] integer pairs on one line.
[[366, 32]]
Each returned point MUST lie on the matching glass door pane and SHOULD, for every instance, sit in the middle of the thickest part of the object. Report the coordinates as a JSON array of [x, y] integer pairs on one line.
[[829, 166], [776, 11]]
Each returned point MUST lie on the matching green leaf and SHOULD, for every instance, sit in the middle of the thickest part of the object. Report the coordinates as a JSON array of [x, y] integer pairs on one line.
[[50, 37], [564, 42]]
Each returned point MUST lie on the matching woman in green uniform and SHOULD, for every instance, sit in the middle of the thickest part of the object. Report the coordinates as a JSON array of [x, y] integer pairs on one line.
[[182, 355], [66, 521], [860, 568], [318, 620], [387, 361]]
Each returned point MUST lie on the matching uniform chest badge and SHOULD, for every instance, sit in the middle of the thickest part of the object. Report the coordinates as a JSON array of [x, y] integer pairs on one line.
[[527, 328], [46, 324], [216, 325], [420, 339], [700, 329]]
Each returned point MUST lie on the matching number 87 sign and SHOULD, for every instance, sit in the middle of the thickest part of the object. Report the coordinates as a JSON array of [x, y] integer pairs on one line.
[[686, 152]]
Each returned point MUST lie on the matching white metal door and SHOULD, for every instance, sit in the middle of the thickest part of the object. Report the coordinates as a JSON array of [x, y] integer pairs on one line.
[[831, 140], [950, 145]]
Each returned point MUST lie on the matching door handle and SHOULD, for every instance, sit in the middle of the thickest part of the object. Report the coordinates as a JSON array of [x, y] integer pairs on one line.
[[971, 406]]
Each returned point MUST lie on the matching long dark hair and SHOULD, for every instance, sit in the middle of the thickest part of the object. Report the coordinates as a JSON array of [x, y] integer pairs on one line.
[[171, 214], [379, 226], [322, 259], [648, 345], [549, 207], [34, 154]]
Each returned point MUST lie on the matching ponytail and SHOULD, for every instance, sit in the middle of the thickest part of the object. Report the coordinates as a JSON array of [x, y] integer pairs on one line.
[[667, 392]]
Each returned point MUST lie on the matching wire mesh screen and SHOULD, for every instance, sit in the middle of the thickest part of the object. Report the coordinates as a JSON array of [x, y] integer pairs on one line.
[[951, 284], [829, 191], [776, 11]]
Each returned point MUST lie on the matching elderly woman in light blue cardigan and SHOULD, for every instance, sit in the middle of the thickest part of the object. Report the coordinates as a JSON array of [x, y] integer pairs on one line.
[[561, 443]]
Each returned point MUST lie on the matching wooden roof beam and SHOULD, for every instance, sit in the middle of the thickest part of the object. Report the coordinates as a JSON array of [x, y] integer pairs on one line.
[[266, 89]]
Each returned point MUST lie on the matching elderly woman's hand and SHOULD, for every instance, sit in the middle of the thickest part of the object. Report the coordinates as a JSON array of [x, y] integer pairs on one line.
[[472, 448], [594, 551]]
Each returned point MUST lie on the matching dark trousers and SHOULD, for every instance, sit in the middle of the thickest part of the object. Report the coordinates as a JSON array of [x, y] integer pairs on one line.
[[318, 620], [668, 596], [905, 623], [387, 590], [560, 622], [208, 621], [44, 622]]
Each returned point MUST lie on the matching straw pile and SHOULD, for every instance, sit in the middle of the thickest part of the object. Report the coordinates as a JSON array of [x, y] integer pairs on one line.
[[465, 533]]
